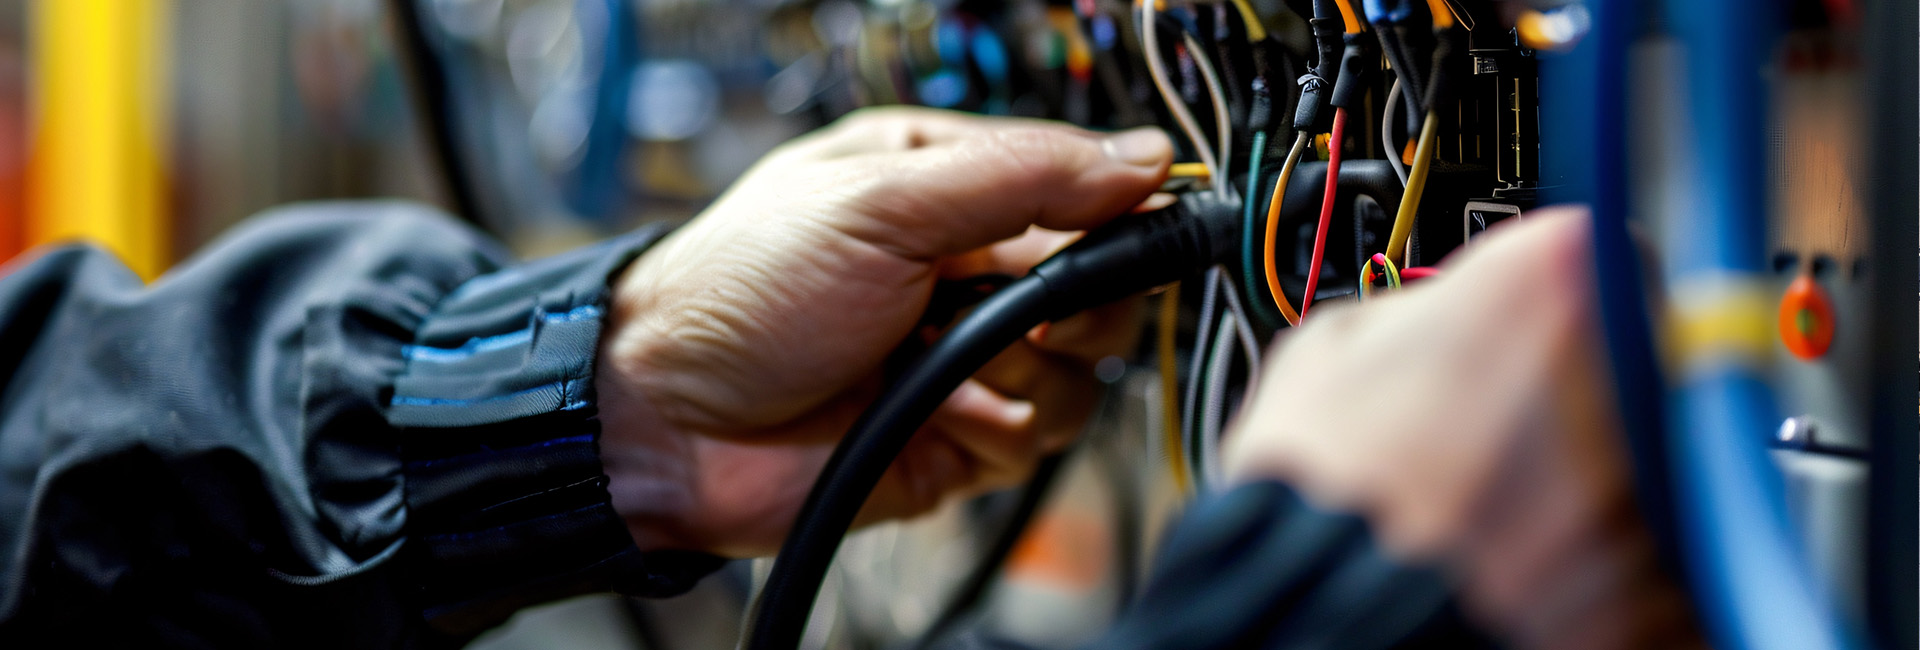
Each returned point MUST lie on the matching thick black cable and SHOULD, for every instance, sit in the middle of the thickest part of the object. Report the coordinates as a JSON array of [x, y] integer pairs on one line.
[[436, 111], [1135, 253]]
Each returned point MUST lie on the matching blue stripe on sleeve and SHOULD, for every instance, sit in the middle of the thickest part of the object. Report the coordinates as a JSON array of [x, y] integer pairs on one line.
[[481, 344]]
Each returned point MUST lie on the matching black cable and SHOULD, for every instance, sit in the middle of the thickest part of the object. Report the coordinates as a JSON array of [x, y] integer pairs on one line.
[[436, 111], [973, 591], [1328, 40], [1133, 254]]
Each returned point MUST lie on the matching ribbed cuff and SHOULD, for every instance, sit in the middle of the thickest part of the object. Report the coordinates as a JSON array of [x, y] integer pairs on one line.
[[506, 498]]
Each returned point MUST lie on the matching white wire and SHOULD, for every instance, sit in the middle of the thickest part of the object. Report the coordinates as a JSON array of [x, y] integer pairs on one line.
[[1150, 37], [1387, 114], [1222, 125], [1213, 409], [1214, 415], [1248, 343]]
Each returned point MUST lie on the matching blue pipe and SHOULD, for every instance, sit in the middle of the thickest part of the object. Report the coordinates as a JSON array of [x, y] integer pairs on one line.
[[1583, 154], [1753, 585]]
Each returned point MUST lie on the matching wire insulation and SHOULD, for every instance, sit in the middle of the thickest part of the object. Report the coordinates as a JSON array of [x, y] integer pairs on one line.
[[1416, 184], [1196, 367], [1206, 450], [1249, 230], [1223, 124], [1256, 32], [1273, 226], [1157, 68], [1326, 208], [1166, 331], [1348, 18], [1392, 146]]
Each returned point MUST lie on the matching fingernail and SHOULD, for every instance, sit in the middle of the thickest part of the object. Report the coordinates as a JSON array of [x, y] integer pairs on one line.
[[1144, 146], [1038, 335], [1017, 413]]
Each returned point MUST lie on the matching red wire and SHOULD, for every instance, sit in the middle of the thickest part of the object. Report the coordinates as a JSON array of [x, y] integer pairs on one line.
[[1412, 273], [1326, 207]]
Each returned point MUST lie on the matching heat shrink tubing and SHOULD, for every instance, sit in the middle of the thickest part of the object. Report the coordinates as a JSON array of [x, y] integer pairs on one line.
[[1132, 254]]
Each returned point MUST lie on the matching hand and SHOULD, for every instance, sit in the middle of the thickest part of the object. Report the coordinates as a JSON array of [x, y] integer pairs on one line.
[[743, 346], [1469, 419]]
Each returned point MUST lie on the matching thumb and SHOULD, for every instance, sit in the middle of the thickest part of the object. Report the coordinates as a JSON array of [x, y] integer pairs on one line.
[[972, 191]]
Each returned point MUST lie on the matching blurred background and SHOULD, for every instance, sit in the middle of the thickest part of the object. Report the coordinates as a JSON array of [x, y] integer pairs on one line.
[[150, 126]]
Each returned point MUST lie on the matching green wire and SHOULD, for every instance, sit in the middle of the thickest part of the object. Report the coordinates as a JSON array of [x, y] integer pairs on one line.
[[1261, 305]]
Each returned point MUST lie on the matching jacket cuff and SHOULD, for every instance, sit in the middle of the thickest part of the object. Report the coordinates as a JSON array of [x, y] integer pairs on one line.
[[506, 499]]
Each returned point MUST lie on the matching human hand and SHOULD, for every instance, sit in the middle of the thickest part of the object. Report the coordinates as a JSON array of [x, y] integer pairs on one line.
[[744, 345], [1469, 419]]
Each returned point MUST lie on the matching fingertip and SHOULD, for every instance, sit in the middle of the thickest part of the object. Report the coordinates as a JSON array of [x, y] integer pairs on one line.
[[1038, 335], [976, 402], [1144, 147]]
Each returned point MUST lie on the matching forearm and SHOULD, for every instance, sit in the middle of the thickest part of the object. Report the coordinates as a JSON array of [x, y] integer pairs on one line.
[[282, 443]]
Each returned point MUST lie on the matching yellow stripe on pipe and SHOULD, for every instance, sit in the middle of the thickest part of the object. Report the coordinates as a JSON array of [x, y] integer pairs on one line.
[[1718, 320], [100, 91]]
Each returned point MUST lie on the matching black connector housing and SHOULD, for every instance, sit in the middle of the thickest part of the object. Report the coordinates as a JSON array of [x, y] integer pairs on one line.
[[1355, 62], [1315, 87]]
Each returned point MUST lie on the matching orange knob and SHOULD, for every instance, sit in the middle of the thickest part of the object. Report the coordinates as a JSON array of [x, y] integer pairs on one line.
[[1806, 319]]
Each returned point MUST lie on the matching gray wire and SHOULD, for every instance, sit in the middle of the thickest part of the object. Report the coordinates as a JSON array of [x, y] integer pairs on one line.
[[1157, 69], [1214, 414], [1234, 328], [1244, 328], [1191, 403], [1386, 133], [1222, 124]]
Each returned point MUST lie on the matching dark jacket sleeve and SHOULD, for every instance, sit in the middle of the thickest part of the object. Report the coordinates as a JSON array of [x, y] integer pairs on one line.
[[346, 425]]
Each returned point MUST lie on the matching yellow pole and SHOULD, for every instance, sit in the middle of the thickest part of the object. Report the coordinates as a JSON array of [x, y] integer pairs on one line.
[[100, 90]]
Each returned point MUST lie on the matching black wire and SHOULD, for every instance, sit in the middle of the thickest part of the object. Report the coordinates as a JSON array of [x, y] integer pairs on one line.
[[430, 87]]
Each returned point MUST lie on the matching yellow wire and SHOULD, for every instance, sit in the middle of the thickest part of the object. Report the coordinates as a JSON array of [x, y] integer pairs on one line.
[[1255, 30], [1273, 228], [1416, 184], [1165, 330], [1347, 16], [1189, 170]]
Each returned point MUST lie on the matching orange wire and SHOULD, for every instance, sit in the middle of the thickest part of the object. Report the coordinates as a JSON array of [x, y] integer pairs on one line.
[[1442, 15], [1273, 229], [1347, 16]]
